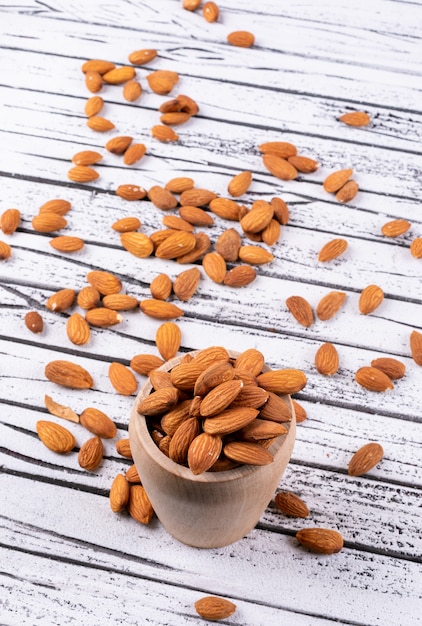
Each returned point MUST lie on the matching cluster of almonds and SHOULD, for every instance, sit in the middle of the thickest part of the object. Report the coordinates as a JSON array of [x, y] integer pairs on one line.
[[211, 12]]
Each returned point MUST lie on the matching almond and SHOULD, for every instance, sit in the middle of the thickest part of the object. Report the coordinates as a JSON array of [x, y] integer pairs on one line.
[[332, 249], [66, 243], [355, 118], [164, 133], [160, 310], [9, 221], [251, 396], [210, 355], [240, 184], [281, 211], [93, 106], [214, 266], [118, 145], [105, 282], [159, 402], [240, 276], [373, 379], [251, 360], [123, 448], [370, 299], [88, 297], [416, 346], [212, 607], [347, 192], [191, 5], [220, 397], [102, 317], [5, 251], [91, 454], [77, 329], [184, 375], [395, 228], [61, 207], [392, 367], [140, 57], [416, 248], [299, 412], [303, 164], [126, 224], [282, 149], [186, 284], [203, 452], [290, 504], [329, 305], [120, 302], [336, 180], [275, 409], [168, 338], [271, 233], [61, 300], [132, 475], [143, 364], [161, 287], [278, 167], [162, 81], [93, 81], [248, 453], [176, 245], [68, 374], [225, 208], [140, 507], [100, 124], [132, 91], [283, 381], [255, 255], [119, 493], [195, 216], [122, 379], [301, 310], [160, 380], [158, 236], [229, 421], [48, 222], [82, 174], [258, 217], [261, 431], [180, 184], [55, 437], [131, 192], [326, 359], [98, 423], [171, 420], [119, 75], [210, 11], [202, 244], [174, 118], [211, 377], [134, 153], [34, 322], [138, 244], [241, 39], [228, 245], [365, 459], [197, 197], [182, 439], [180, 104], [162, 198], [59, 410], [98, 65], [320, 540]]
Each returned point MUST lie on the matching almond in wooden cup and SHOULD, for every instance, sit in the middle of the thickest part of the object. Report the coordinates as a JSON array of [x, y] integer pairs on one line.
[[213, 508]]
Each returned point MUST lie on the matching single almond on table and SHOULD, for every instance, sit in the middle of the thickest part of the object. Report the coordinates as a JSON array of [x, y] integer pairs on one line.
[[214, 608], [301, 310], [416, 248], [143, 364], [210, 11], [240, 276], [175, 118], [202, 245], [119, 75], [159, 309], [103, 317], [86, 157], [105, 282], [347, 192], [68, 374], [140, 57], [123, 448], [99, 124], [186, 284], [177, 223], [197, 197], [59, 206], [278, 167], [373, 379], [162, 198], [5, 251], [365, 459], [167, 339], [120, 302], [161, 287], [320, 540], [239, 184], [82, 174], [134, 153], [119, 493], [303, 164], [191, 5], [132, 91], [281, 211], [78, 330], [370, 299], [228, 245], [164, 133], [392, 367], [332, 249], [61, 300], [180, 104], [395, 228], [416, 346], [255, 255], [336, 180], [97, 65], [126, 224], [132, 475], [140, 507], [299, 411], [196, 216], [282, 149], [91, 454], [138, 244], [59, 410], [290, 504], [241, 39], [180, 184], [93, 81], [9, 221], [118, 145], [34, 322], [162, 81], [225, 208], [89, 297], [98, 423], [48, 222], [326, 359], [329, 305], [67, 243], [93, 106], [214, 266], [271, 233], [131, 192], [122, 379], [55, 437], [355, 118]]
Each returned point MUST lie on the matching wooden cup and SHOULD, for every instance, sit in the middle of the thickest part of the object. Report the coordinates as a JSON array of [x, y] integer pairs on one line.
[[212, 509]]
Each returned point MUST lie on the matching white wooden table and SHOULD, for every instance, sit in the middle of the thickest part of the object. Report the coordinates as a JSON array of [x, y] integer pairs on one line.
[[65, 557]]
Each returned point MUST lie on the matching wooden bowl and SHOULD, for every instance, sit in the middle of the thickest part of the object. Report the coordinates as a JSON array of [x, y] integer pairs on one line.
[[212, 509]]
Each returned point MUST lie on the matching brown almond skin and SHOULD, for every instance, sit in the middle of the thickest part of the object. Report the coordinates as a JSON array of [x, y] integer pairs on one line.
[[68, 374], [91, 454], [98, 423], [34, 322], [119, 493], [182, 439], [159, 401], [392, 367], [275, 409], [320, 540], [284, 381], [290, 504], [326, 359], [203, 452], [370, 299], [416, 346], [220, 397], [329, 305], [140, 507], [301, 310], [229, 420], [214, 608], [365, 459], [373, 379], [248, 453], [122, 379], [56, 437], [143, 363]]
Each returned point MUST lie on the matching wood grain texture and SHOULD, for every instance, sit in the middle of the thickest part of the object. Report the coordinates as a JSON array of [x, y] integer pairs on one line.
[[66, 558]]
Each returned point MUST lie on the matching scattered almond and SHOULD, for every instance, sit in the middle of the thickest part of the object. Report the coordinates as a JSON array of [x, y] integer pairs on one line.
[[91, 454], [347, 192], [55, 437], [105, 282], [119, 493], [301, 310], [373, 379], [138, 244], [365, 459], [122, 379], [278, 167], [143, 364], [119, 75], [336, 180], [82, 174], [239, 184], [140, 507], [240, 276], [161, 287], [100, 124], [59, 410], [212, 607], [120, 302], [66, 243], [126, 224], [93, 106], [392, 367], [167, 339], [326, 359], [98, 65], [48, 222], [416, 248], [134, 153], [180, 184], [9, 221], [118, 145], [34, 322], [93, 81], [290, 504], [131, 192], [320, 540], [132, 91], [98, 423], [303, 164], [197, 197], [175, 118], [61, 300], [329, 305], [58, 206], [88, 298], [162, 198], [68, 374], [164, 133], [186, 284], [241, 39], [395, 228], [140, 57], [123, 448], [355, 118], [282, 149], [159, 309], [77, 329], [332, 249], [370, 299], [416, 346], [162, 81], [5, 251], [103, 317], [210, 11]]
